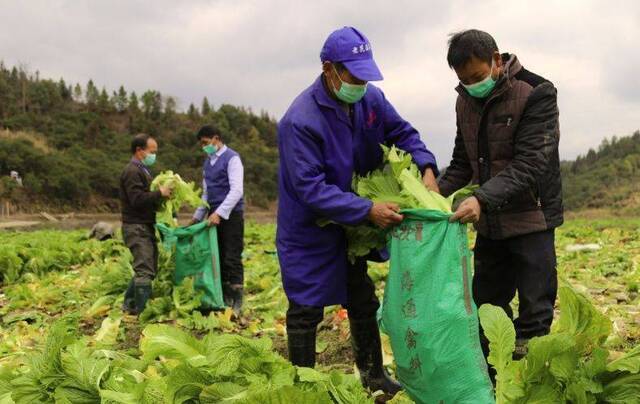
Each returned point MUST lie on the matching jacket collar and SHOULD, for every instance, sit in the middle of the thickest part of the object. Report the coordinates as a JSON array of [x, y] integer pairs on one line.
[[510, 67], [321, 97], [221, 151], [140, 165], [217, 155]]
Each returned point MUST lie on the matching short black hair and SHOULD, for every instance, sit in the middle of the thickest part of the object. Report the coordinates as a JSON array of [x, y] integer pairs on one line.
[[464, 45], [209, 132], [140, 140]]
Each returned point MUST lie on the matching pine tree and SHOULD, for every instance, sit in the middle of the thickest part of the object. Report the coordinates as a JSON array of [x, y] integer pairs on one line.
[[104, 104], [91, 94], [134, 103], [206, 108], [77, 93], [152, 104], [170, 105], [120, 99], [64, 90], [193, 112]]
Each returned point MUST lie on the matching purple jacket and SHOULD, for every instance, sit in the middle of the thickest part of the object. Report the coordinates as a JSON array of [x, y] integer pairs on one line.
[[320, 150]]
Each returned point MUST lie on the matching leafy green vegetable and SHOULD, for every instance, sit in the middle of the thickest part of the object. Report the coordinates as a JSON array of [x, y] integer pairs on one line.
[[568, 365], [176, 367], [183, 193], [630, 362], [499, 330], [398, 181], [183, 301], [171, 343], [41, 252], [582, 320], [90, 272]]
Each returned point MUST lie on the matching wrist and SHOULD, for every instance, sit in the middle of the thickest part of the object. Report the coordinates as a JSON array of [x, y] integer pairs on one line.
[[370, 208], [430, 168], [479, 199]]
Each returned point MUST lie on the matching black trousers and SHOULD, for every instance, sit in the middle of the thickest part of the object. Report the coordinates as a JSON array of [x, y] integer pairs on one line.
[[230, 245], [362, 302], [526, 264]]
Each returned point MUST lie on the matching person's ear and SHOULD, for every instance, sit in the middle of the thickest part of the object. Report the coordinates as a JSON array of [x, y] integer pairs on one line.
[[331, 74], [497, 58], [326, 67]]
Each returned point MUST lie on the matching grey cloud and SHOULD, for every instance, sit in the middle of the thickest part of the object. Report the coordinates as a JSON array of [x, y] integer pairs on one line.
[[262, 53]]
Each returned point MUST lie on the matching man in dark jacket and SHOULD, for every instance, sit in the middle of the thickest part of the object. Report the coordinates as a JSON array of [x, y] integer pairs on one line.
[[139, 207], [507, 142]]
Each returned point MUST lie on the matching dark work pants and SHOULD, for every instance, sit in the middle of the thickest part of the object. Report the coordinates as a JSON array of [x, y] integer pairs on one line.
[[526, 264], [362, 302], [141, 241], [230, 245]]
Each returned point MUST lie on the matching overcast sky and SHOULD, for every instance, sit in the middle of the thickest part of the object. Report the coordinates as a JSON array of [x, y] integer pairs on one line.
[[262, 53]]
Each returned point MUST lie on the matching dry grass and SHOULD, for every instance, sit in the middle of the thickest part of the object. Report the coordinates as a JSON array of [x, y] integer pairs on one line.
[[37, 139]]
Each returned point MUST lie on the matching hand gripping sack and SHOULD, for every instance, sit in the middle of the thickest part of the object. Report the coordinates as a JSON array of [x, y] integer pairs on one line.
[[429, 314]]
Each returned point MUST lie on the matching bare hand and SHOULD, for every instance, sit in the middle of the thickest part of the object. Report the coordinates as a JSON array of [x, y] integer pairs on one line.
[[429, 180], [165, 191], [468, 211], [385, 214], [214, 219], [193, 221]]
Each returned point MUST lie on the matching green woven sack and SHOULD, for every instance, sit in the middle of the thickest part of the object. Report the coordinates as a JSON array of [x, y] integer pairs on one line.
[[196, 255], [429, 314]]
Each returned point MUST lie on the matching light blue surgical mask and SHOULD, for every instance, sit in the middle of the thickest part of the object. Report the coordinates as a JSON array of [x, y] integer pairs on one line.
[[349, 93], [149, 159], [482, 88]]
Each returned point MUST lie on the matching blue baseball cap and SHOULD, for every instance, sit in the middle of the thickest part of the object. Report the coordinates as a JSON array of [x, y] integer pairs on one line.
[[351, 48]]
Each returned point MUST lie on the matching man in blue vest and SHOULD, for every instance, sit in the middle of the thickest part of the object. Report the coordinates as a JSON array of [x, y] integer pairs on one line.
[[223, 190], [333, 130]]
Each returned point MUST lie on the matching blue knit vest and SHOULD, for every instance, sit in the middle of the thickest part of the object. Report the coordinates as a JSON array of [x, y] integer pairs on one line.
[[217, 180]]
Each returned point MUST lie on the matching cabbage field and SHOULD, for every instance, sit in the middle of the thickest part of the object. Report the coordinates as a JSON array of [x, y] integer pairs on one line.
[[64, 339]]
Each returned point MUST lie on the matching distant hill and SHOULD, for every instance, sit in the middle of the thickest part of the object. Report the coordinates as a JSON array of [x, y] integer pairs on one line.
[[70, 142], [608, 178]]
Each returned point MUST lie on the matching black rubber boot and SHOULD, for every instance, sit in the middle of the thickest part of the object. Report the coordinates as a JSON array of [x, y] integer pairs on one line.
[[237, 293], [129, 303], [302, 347], [521, 348], [367, 351], [142, 295], [227, 294]]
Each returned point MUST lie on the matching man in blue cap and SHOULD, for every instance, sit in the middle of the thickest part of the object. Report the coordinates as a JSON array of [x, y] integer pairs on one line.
[[333, 130]]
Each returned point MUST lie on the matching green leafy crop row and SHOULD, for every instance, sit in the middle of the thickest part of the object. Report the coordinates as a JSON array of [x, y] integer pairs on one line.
[[174, 367], [569, 365]]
